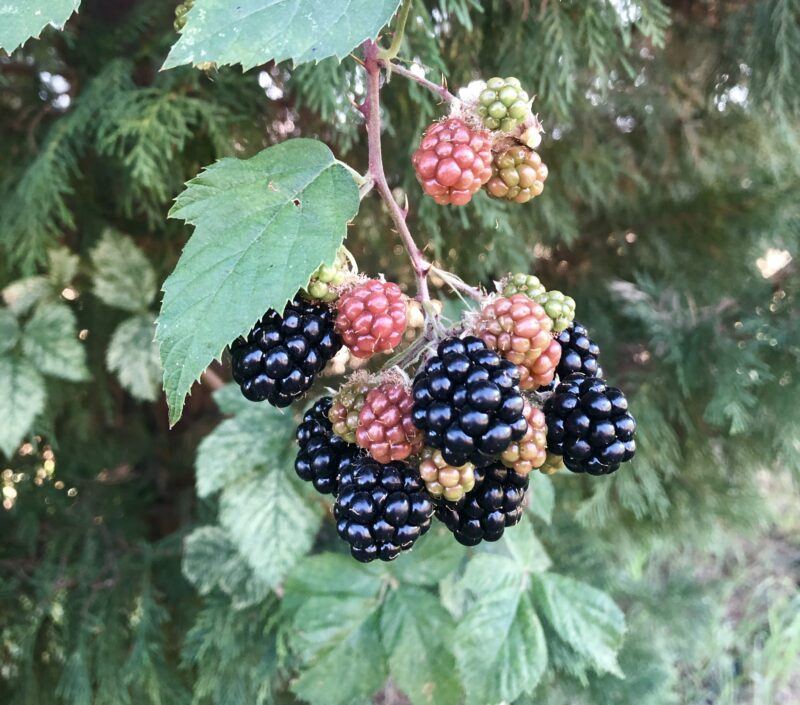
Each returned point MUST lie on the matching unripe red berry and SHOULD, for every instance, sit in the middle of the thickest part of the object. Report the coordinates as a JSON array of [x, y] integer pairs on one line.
[[371, 318], [385, 429], [453, 161]]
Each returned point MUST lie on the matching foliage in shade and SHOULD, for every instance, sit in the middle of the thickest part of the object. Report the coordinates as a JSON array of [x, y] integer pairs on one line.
[[22, 19]]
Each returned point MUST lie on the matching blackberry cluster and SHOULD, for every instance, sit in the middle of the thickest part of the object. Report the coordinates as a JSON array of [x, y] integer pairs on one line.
[[467, 401], [588, 423], [282, 355], [381, 510], [579, 353], [323, 456], [486, 511]]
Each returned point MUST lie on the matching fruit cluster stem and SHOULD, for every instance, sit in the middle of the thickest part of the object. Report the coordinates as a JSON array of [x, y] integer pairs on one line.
[[441, 91], [372, 112]]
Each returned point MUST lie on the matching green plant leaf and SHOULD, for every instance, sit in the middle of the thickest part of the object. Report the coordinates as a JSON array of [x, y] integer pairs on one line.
[[257, 437], [230, 400], [123, 276], [541, 497], [62, 266], [50, 340], [584, 617], [434, 556], [336, 630], [211, 561], [9, 330], [22, 399], [523, 548], [132, 356], [262, 226], [22, 295], [269, 522], [22, 19], [418, 636], [499, 643], [253, 32]]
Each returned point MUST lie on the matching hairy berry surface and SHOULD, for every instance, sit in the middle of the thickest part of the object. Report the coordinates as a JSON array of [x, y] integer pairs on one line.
[[385, 429], [281, 357], [486, 511], [589, 425], [323, 455], [372, 317], [381, 509], [518, 175], [467, 401]]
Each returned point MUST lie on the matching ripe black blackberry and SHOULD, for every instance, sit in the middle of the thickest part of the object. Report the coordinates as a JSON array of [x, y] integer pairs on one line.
[[381, 510], [588, 423], [468, 403], [486, 511], [323, 456], [281, 356], [579, 353]]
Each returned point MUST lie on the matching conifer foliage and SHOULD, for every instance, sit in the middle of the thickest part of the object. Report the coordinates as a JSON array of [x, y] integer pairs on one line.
[[442, 237]]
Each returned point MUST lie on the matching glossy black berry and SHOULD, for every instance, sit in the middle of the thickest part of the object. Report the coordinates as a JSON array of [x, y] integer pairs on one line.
[[467, 402], [485, 512], [589, 424], [381, 510], [281, 356], [578, 353], [323, 456]]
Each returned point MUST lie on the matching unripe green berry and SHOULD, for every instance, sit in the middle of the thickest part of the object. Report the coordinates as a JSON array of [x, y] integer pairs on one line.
[[527, 284], [559, 307], [503, 105], [324, 283]]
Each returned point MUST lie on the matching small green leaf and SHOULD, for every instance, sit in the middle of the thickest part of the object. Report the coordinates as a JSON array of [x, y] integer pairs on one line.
[[22, 399], [132, 355], [584, 617], [257, 437], [541, 497], [269, 522], [523, 548], [62, 266], [50, 340], [22, 19], [123, 276], [22, 295], [432, 558], [499, 643], [230, 400], [256, 31], [211, 561], [418, 636], [262, 226], [9, 330]]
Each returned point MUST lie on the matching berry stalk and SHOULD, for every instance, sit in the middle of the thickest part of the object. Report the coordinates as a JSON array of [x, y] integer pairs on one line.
[[372, 113]]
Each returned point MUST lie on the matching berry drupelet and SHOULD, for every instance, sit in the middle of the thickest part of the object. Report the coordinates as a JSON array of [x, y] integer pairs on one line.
[[381, 510], [589, 425], [282, 355], [323, 456], [486, 511], [579, 353], [467, 401]]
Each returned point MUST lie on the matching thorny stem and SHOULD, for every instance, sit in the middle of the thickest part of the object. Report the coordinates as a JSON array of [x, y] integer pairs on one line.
[[372, 112], [457, 284], [397, 40], [440, 90]]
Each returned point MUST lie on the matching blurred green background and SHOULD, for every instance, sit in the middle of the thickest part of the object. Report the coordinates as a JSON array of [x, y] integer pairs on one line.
[[143, 565]]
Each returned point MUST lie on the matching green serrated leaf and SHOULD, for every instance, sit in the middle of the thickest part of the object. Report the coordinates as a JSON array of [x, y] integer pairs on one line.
[[417, 635], [123, 276], [257, 437], [9, 330], [132, 355], [22, 295], [22, 19], [62, 266], [22, 399], [50, 340], [541, 497], [211, 561], [230, 400], [499, 644], [262, 226], [587, 619], [336, 630], [269, 522], [252, 32], [433, 557], [522, 547]]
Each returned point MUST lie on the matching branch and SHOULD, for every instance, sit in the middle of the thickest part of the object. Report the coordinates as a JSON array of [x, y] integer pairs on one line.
[[372, 112], [441, 91]]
